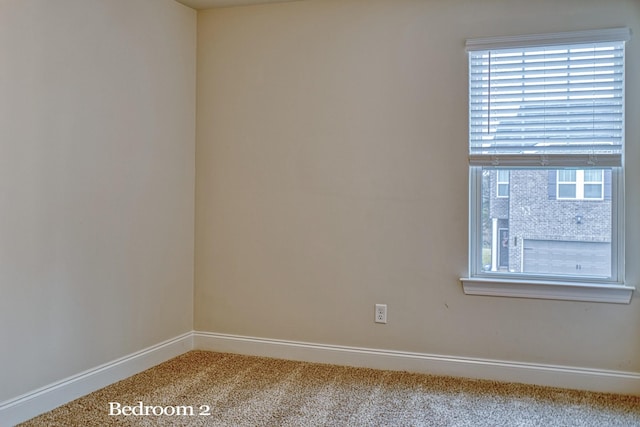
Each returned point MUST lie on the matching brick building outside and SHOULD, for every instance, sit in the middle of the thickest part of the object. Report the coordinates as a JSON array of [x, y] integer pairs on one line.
[[547, 221]]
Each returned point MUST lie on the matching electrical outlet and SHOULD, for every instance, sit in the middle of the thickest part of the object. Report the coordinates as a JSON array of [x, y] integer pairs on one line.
[[381, 313]]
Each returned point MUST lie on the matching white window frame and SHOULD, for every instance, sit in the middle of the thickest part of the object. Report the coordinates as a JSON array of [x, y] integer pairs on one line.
[[500, 182], [574, 288], [579, 184]]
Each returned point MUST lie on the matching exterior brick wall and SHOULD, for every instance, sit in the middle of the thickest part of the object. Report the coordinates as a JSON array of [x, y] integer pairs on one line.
[[533, 214]]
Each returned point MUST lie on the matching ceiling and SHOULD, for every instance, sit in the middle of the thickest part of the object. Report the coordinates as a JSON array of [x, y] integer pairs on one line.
[[210, 4]]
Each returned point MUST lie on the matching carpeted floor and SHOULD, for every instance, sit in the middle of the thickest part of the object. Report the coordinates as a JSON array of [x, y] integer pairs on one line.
[[232, 390]]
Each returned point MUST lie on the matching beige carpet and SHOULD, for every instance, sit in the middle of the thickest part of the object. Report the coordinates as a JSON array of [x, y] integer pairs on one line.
[[251, 391]]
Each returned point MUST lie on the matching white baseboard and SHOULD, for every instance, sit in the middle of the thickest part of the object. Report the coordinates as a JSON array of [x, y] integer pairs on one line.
[[47, 398], [604, 381]]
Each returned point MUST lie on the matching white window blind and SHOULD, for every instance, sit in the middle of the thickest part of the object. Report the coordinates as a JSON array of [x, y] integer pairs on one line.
[[557, 101]]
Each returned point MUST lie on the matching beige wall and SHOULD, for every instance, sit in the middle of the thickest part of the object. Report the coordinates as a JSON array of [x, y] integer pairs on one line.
[[332, 175], [97, 139]]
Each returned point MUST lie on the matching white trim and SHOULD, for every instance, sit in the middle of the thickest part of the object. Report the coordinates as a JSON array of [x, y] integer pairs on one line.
[[591, 292], [44, 399], [605, 381], [549, 39]]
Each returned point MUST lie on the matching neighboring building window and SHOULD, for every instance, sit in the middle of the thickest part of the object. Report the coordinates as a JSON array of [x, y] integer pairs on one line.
[[546, 125], [580, 184], [502, 180]]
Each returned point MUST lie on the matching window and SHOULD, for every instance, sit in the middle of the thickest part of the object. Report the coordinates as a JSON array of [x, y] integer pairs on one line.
[[567, 184], [546, 130], [502, 182], [580, 184]]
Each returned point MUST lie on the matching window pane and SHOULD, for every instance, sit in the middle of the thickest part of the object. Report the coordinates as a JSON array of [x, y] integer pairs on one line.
[[503, 176], [593, 175], [566, 191], [532, 232], [592, 191], [567, 175], [503, 190]]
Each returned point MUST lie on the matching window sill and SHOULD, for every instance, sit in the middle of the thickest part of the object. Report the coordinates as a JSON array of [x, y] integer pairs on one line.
[[569, 291]]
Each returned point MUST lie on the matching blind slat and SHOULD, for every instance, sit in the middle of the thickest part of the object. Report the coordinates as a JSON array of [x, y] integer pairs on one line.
[[565, 64], [535, 101], [516, 80]]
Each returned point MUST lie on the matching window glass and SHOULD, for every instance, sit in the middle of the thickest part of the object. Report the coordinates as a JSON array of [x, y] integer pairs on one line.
[[593, 191], [503, 183], [567, 175], [533, 232], [567, 191], [592, 175]]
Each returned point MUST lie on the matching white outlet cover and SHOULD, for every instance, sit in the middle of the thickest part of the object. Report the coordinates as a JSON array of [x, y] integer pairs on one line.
[[380, 313]]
